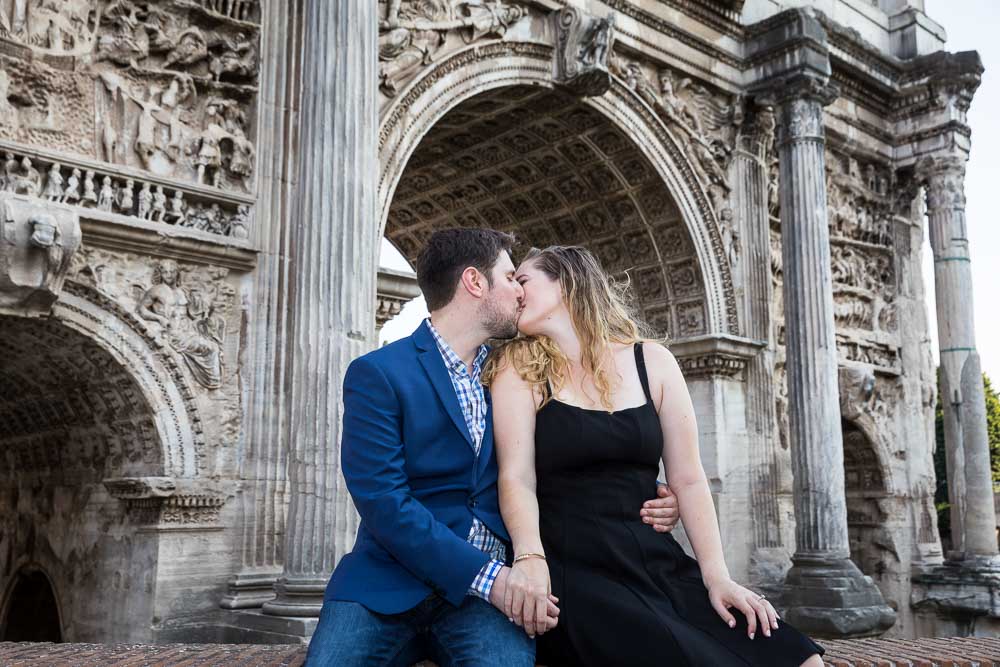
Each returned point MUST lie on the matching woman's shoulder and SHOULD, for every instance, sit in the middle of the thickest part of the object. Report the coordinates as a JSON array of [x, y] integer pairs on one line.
[[511, 361], [658, 357]]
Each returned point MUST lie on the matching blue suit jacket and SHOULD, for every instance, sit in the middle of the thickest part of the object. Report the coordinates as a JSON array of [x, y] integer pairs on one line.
[[410, 466]]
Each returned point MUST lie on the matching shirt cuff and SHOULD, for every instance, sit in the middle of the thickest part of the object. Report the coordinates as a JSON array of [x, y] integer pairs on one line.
[[483, 583]]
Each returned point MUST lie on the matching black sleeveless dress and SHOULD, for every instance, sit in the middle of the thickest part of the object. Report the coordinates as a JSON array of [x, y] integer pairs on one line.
[[628, 595]]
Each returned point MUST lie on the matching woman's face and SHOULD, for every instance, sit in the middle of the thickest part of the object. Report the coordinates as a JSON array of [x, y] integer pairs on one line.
[[542, 299]]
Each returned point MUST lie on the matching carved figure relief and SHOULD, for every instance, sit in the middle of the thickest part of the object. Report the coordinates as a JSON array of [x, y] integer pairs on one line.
[[110, 194], [706, 123], [412, 32], [189, 319], [174, 85], [583, 52], [37, 243], [66, 26]]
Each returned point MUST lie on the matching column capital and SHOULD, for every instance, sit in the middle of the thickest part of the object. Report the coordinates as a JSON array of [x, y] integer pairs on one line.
[[944, 178], [799, 100]]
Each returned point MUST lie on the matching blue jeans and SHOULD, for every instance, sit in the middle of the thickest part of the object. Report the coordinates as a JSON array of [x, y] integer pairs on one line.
[[475, 634]]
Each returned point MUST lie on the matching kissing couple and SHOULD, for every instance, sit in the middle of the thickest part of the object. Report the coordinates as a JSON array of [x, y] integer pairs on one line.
[[508, 496]]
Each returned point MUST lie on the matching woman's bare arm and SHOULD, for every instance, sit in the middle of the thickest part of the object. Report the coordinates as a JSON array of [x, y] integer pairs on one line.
[[687, 478], [682, 462], [514, 405]]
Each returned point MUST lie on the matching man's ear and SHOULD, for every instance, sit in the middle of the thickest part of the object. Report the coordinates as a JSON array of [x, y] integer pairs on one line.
[[474, 282]]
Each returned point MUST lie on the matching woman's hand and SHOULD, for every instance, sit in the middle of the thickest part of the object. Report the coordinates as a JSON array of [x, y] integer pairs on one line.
[[727, 594], [527, 597]]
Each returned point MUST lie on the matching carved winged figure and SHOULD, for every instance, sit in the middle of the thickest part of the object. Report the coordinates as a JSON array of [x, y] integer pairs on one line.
[[412, 31]]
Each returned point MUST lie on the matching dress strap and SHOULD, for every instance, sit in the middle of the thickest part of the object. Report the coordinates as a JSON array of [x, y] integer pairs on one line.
[[640, 365]]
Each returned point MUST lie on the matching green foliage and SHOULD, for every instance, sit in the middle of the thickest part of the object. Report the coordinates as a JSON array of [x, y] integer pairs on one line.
[[993, 428], [940, 469]]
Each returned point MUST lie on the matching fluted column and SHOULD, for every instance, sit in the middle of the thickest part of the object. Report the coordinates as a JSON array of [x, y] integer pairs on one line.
[[333, 268], [970, 481], [264, 465], [825, 593], [811, 349], [751, 207]]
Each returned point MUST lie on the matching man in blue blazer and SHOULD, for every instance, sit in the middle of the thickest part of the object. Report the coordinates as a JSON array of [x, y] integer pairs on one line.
[[428, 574]]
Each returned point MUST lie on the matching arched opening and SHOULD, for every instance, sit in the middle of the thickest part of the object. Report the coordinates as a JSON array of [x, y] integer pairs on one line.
[[71, 416], [552, 169], [32, 613], [866, 491]]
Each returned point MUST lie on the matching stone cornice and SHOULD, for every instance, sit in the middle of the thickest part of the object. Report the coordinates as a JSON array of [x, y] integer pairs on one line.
[[788, 57], [166, 503], [715, 356], [117, 232], [394, 290]]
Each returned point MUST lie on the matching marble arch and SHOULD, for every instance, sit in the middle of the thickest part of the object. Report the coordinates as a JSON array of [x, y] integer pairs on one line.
[[482, 69], [150, 390]]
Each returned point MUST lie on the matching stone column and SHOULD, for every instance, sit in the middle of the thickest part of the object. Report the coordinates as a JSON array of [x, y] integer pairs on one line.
[[768, 560], [333, 267], [970, 483], [264, 463], [824, 593]]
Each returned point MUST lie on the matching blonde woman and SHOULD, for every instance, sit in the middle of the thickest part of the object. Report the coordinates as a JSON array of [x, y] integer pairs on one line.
[[584, 409]]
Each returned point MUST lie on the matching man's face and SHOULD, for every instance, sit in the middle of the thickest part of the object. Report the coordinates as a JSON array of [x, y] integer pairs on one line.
[[501, 307]]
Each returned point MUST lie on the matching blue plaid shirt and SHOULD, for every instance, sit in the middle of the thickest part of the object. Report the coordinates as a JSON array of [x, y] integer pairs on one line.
[[472, 399]]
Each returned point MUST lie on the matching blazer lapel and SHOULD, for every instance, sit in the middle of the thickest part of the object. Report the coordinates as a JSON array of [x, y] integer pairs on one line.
[[433, 363], [486, 451]]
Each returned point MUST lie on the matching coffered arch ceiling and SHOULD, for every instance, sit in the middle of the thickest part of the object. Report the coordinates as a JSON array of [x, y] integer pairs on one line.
[[69, 411], [550, 169]]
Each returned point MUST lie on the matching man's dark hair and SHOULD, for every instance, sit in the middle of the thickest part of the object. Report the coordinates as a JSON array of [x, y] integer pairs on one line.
[[449, 252]]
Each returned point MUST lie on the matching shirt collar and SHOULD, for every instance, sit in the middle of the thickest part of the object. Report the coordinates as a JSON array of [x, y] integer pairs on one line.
[[453, 361]]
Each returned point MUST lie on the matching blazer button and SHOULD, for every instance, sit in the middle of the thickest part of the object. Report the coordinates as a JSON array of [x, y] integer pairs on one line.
[[473, 503]]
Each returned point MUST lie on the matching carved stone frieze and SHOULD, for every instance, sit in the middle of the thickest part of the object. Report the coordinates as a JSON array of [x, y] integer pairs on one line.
[[412, 32], [708, 357], [37, 244], [110, 192], [583, 52], [182, 308], [164, 88], [705, 122], [167, 503]]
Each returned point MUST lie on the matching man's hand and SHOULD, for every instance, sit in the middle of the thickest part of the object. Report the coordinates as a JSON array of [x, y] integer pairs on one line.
[[501, 597], [662, 512]]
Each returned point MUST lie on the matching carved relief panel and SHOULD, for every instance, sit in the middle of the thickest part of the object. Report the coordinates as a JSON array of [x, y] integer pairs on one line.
[[414, 33], [163, 93]]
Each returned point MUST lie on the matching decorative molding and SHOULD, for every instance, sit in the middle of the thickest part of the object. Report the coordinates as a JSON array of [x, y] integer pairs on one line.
[[121, 194], [37, 243], [163, 502], [583, 51], [713, 357], [394, 290]]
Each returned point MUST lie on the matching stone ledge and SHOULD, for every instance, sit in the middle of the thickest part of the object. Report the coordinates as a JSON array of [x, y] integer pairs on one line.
[[937, 652]]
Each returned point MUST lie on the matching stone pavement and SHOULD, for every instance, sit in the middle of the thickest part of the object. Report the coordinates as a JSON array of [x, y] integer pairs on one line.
[[956, 652]]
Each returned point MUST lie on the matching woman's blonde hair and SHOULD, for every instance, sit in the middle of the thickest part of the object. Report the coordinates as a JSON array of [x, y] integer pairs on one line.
[[601, 313]]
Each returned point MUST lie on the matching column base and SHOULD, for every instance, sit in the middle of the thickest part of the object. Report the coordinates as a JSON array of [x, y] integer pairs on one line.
[[250, 590], [296, 598], [830, 598], [237, 626], [964, 586]]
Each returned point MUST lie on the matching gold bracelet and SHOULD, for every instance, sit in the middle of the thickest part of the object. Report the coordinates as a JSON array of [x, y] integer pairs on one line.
[[528, 555]]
